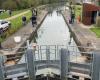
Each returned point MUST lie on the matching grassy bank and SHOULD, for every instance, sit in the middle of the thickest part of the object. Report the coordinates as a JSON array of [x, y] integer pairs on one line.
[[17, 22], [96, 31], [6, 14]]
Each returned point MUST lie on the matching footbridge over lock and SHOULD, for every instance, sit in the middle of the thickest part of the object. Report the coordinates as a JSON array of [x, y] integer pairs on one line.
[[54, 62]]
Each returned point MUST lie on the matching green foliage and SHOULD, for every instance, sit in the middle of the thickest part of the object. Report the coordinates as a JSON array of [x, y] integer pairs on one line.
[[78, 10], [99, 3], [17, 22], [18, 4], [22, 4], [9, 4], [0, 39], [96, 27], [96, 30]]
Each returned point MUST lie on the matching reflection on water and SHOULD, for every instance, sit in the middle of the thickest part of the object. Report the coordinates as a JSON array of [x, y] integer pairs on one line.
[[70, 40], [35, 37]]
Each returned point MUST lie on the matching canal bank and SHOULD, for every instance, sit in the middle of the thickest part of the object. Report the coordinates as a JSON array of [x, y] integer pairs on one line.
[[26, 32], [83, 37]]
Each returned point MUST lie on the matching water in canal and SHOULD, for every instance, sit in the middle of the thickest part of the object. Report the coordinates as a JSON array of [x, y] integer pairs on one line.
[[53, 31]]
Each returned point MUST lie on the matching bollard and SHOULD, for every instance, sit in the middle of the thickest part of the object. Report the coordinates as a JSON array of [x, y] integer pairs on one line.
[[64, 64]]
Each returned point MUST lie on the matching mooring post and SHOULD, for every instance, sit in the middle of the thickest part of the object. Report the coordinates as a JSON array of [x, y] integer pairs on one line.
[[64, 64], [96, 65], [1, 68], [30, 62]]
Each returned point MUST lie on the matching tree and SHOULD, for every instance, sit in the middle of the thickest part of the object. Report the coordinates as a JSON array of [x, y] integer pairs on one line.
[[22, 4], [1, 1]]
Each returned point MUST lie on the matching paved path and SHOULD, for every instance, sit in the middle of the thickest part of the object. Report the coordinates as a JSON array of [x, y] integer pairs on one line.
[[15, 16], [24, 33], [83, 33]]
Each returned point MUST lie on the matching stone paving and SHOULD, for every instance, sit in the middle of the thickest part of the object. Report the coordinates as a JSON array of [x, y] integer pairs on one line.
[[83, 33], [24, 33]]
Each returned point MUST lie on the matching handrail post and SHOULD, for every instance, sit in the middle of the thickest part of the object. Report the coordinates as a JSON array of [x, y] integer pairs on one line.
[[64, 63], [30, 62], [48, 55]]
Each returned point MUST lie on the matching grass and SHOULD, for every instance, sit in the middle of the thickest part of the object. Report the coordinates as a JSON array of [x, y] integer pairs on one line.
[[6, 15], [17, 22], [96, 30]]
